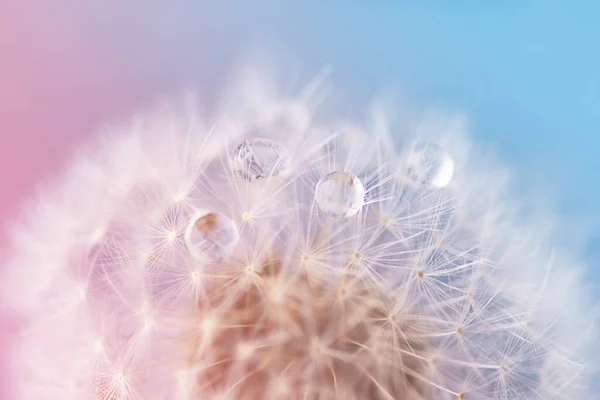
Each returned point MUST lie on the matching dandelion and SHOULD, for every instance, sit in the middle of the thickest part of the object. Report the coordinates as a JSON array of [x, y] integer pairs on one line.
[[267, 253]]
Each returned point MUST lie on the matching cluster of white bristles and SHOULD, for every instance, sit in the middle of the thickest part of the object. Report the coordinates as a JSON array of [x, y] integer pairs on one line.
[[269, 253]]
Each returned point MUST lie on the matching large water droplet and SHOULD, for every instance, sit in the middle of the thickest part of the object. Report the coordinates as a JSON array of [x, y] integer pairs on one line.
[[259, 158], [340, 194], [428, 164], [211, 236]]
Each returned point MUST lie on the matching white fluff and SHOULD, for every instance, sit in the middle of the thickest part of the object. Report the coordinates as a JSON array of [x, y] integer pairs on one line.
[[505, 315]]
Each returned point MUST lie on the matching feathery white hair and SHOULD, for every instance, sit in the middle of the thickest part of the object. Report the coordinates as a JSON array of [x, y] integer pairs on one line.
[[426, 290]]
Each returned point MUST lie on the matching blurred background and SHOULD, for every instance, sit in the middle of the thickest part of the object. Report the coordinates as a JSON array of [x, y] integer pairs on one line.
[[526, 73]]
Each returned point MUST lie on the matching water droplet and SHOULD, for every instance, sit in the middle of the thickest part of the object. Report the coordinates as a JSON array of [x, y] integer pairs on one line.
[[340, 194], [259, 158], [212, 236], [428, 164]]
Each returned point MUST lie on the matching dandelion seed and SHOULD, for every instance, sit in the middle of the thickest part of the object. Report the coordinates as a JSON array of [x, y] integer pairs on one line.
[[171, 236], [97, 236], [180, 197]]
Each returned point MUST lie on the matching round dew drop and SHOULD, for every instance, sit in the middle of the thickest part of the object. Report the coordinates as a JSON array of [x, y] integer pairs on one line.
[[258, 158], [211, 236], [428, 164], [340, 194]]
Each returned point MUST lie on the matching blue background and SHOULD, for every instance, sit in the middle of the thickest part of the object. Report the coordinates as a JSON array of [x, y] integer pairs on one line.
[[526, 73]]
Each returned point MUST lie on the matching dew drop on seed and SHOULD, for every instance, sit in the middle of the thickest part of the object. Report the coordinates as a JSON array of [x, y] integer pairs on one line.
[[428, 164], [211, 236], [258, 158], [340, 194]]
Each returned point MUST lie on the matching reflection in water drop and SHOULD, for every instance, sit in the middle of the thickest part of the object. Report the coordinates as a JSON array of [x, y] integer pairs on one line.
[[258, 158], [340, 194], [212, 236]]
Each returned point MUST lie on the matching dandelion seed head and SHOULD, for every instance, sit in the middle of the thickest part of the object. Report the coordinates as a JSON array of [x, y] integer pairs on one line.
[[272, 252]]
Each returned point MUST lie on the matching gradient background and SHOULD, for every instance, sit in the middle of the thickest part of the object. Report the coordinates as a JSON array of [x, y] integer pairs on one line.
[[527, 73]]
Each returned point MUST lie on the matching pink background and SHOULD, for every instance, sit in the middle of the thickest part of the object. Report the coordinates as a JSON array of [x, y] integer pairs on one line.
[[68, 66]]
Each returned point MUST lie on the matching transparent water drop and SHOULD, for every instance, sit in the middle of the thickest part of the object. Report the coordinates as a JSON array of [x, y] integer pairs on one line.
[[211, 236], [428, 164], [340, 194], [259, 158]]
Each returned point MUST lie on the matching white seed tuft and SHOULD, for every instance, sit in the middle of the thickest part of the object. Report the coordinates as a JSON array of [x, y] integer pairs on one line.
[[181, 260]]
